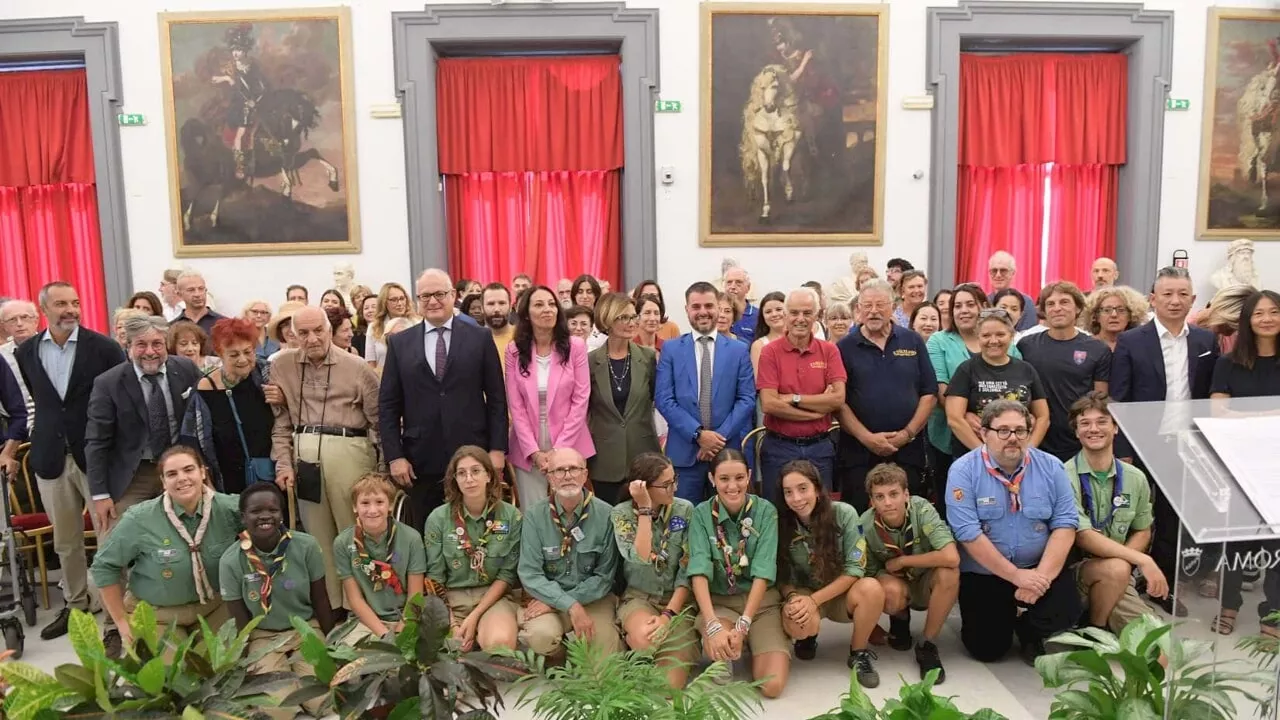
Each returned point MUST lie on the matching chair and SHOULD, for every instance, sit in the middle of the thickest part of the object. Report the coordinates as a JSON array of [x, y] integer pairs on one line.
[[31, 526], [757, 434]]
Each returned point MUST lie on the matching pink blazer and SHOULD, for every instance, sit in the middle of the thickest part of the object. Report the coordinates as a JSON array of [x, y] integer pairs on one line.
[[568, 390]]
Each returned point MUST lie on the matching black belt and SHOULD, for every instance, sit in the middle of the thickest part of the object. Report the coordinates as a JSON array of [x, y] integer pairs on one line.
[[331, 430], [810, 440]]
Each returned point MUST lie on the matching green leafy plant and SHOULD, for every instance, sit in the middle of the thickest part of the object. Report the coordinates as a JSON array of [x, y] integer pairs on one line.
[[915, 701], [1261, 650], [1196, 686], [595, 685], [161, 676]]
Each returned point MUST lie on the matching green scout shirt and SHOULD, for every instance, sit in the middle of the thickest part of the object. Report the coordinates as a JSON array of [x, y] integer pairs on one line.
[[159, 563], [290, 588], [449, 565], [583, 577], [407, 558], [663, 577], [707, 560], [853, 549], [1134, 509], [928, 532]]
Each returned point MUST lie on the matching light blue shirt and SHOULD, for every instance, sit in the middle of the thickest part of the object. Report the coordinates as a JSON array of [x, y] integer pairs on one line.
[[168, 402], [58, 361], [432, 337], [978, 504]]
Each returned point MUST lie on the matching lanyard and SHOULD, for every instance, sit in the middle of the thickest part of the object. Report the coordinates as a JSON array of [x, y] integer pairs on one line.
[[1117, 496]]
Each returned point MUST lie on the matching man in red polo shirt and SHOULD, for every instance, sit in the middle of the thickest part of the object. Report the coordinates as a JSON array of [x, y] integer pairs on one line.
[[801, 381]]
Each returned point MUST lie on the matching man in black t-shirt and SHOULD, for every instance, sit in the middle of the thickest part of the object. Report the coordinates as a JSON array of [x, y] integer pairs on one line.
[[1070, 363]]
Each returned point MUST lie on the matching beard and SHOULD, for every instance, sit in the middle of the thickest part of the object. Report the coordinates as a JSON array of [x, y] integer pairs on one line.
[[496, 322]]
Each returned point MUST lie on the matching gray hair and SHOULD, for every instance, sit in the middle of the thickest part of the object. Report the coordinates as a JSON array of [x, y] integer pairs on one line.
[[808, 292], [996, 408], [135, 327], [876, 285], [1171, 272], [44, 291], [839, 311], [187, 275], [20, 304], [1002, 255]]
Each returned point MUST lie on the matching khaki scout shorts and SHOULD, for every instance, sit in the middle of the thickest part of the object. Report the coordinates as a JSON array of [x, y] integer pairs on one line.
[[918, 588], [766, 634], [836, 609], [462, 601], [1129, 608], [682, 637]]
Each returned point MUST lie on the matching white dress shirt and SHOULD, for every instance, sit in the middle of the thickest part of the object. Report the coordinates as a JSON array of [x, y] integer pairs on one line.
[[1174, 349], [697, 352], [432, 337]]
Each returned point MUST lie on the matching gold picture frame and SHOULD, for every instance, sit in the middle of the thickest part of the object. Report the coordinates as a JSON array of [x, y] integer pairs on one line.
[[1231, 201], [832, 114], [260, 132]]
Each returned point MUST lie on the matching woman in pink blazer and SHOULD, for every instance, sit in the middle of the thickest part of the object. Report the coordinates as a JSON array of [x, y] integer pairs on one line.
[[548, 386]]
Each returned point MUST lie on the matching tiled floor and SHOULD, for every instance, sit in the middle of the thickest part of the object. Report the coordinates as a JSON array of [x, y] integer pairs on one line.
[[1009, 687]]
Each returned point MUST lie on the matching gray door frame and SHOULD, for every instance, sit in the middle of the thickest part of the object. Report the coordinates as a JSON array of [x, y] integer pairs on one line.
[[1146, 37], [419, 38], [98, 44]]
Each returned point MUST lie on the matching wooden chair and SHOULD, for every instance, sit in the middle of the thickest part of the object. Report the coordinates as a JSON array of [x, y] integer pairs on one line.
[[32, 529]]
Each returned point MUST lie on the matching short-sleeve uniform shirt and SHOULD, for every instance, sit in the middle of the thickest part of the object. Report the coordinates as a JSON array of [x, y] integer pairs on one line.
[[670, 543], [290, 587], [1116, 502], [496, 533], [757, 520], [407, 557], [853, 549], [923, 533]]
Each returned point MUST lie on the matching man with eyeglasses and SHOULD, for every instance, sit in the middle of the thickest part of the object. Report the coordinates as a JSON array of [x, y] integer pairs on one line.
[[568, 563], [1002, 268], [442, 388], [1012, 510], [19, 319]]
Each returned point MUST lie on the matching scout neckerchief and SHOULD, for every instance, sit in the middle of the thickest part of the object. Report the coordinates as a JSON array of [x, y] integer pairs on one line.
[[476, 552], [380, 572], [267, 570], [802, 536], [571, 535], [204, 589], [1012, 484], [1117, 496], [733, 568], [659, 557], [908, 534]]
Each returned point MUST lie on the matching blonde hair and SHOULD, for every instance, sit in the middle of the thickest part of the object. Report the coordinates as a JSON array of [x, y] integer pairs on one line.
[[1133, 300], [124, 313], [1223, 313], [244, 311], [373, 483], [377, 328], [609, 308]]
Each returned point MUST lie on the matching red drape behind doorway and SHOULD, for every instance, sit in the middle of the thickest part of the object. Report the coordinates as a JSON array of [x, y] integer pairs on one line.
[[48, 197], [531, 150]]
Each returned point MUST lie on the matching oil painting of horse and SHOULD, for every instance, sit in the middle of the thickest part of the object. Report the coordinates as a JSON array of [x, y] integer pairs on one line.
[[793, 123], [260, 132], [1240, 156]]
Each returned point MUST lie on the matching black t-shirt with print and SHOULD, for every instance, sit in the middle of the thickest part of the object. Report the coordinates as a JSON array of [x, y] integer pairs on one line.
[[981, 383], [1068, 369]]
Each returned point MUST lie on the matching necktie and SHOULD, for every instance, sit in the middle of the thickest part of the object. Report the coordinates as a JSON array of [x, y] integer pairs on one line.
[[704, 382], [157, 418], [442, 352]]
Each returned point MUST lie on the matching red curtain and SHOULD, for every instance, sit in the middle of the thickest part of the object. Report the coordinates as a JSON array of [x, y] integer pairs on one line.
[[531, 150], [1003, 209], [48, 198], [1082, 219]]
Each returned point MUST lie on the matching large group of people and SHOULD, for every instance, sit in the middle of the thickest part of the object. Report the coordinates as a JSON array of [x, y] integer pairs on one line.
[[807, 456]]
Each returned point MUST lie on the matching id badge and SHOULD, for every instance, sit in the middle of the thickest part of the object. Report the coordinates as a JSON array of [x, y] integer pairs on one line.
[[577, 534]]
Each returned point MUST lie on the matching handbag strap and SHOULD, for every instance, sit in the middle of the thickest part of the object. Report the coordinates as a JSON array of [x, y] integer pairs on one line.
[[248, 459]]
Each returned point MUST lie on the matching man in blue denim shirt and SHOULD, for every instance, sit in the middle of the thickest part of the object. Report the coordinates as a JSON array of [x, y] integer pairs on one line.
[[1012, 510]]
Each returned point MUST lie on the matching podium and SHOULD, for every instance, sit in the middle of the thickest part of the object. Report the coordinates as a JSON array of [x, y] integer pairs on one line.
[[1224, 535]]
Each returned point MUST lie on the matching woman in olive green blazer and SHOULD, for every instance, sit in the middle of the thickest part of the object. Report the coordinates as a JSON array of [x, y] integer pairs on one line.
[[620, 414]]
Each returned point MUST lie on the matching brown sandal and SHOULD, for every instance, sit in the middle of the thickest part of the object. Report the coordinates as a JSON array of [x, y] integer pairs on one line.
[[1222, 624]]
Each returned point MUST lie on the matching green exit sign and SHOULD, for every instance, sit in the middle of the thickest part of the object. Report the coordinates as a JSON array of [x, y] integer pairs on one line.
[[1177, 104], [666, 106], [131, 119]]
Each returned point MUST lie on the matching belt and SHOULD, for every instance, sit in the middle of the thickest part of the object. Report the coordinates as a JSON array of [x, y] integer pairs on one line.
[[810, 440], [331, 430]]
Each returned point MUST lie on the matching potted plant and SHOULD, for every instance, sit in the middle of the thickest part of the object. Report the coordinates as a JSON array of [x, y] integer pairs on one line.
[[915, 701], [1195, 686], [1261, 649]]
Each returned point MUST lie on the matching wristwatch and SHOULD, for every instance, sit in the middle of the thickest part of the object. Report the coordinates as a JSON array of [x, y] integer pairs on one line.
[[795, 401], [697, 433]]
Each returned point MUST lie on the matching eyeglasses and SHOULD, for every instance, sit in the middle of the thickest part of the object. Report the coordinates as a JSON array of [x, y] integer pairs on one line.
[[994, 313], [567, 472], [662, 486], [1113, 311], [26, 317], [1004, 433], [1000, 271], [477, 472], [627, 318], [439, 296]]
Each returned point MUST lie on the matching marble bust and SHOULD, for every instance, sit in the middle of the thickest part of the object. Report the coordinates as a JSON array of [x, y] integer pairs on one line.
[[845, 289], [344, 278], [1239, 269]]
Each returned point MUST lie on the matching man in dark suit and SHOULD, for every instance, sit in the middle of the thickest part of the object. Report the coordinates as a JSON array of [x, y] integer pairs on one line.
[[706, 391], [442, 388], [59, 367], [1164, 360], [135, 411]]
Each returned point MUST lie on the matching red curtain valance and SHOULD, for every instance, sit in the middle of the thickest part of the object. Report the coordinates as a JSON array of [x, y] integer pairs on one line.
[[1041, 108], [44, 128], [529, 114]]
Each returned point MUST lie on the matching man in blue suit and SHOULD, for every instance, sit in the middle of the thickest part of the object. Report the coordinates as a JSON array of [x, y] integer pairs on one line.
[[1164, 360], [705, 390]]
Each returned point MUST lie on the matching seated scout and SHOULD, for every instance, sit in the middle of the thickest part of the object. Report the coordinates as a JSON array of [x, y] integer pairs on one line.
[[911, 552], [822, 572], [1113, 500], [1011, 509], [279, 574], [170, 547], [380, 561], [734, 540], [473, 546], [651, 531], [568, 562]]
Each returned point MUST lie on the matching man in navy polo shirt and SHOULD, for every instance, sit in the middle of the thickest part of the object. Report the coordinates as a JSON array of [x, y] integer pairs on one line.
[[888, 397]]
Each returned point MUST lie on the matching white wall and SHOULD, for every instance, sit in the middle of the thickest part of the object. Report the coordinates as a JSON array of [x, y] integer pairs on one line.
[[681, 261]]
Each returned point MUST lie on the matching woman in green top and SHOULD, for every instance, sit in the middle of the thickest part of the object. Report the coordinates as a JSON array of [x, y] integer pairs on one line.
[[734, 541], [279, 574], [651, 531], [170, 546], [822, 569], [379, 560], [473, 548]]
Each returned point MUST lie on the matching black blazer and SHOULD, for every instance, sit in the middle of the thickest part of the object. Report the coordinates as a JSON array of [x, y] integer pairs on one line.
[[116, 433], [60, 422], [1137, 366], [434, 418]]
